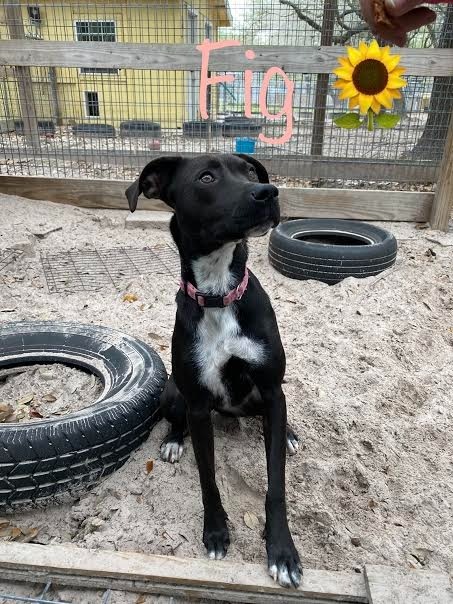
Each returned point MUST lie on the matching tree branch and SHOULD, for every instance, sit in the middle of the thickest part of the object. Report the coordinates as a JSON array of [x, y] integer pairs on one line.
[[336, 40], [343, 38], [301, 15], [345, 13]]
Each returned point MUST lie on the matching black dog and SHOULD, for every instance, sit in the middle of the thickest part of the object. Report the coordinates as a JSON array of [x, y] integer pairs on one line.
[[226, 349]]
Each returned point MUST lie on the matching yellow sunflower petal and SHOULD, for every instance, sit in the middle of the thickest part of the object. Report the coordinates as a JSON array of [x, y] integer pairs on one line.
[[340, 83], [354, 102], [374, 52], [384, 99], [398, 71], [395, 94], [385, 53], [348, 91], [355, 56], [392, 62], [365, 101], [363, 48], [344, 73], [375, 106], [396, 82], [344, 62]]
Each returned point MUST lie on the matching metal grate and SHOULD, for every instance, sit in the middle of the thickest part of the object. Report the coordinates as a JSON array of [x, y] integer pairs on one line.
[[44, 596], [92, 270], [7, 256]]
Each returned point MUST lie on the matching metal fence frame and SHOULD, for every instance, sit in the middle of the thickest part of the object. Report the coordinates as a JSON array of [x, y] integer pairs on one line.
[[377, 205]]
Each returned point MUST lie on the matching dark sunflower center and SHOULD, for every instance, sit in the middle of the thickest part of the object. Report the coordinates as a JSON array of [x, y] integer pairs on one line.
[[370, 76]]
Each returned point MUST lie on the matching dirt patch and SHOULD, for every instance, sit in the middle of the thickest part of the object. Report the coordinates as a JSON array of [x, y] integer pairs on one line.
[[45, 391], [369, 390]]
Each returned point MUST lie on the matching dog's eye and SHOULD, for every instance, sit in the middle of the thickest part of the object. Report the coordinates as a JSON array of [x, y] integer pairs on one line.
[[206, 178]]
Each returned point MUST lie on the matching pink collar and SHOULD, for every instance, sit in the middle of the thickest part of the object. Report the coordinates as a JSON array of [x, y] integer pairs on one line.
[[215, 301]]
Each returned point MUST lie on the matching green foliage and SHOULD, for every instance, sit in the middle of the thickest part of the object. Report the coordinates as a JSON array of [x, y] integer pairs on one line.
[[348, 120], [387, 120]]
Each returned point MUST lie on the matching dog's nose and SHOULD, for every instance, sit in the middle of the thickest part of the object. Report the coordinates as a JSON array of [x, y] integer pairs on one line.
[[264, 192]]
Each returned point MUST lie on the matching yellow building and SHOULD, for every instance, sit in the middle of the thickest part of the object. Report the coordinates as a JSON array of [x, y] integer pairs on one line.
[[111, 96]]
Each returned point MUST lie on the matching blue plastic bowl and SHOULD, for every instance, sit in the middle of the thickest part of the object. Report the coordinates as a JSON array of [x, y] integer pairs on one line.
[[245, 145]]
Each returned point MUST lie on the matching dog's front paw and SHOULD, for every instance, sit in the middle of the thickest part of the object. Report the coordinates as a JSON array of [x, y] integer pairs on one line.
[[292, 441], [172, 448], [284, 562], [216, 536]]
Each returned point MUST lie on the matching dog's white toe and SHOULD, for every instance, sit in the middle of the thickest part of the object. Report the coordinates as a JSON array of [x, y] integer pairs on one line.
[[292, 443], [171, 451], [273, 571], [283, 576]]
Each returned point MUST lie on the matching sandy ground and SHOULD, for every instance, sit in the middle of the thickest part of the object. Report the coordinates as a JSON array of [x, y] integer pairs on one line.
[[369, 390], [48, 391]]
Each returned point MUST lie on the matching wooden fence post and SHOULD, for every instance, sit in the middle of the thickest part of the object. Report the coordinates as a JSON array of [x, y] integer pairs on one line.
[[13, 13], [443, 201], [54, 100], [322, 82]]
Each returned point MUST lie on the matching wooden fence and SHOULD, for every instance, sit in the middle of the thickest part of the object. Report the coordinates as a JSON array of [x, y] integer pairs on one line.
[[195, 579], [298, 202]]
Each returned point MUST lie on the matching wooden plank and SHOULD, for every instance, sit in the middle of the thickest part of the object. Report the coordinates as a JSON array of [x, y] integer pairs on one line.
[[443, 201], [356, 204], [143, 219], [387, 585], [298, 59], [299, 166], [201, 578], [352, 169], [13, 14], [294, 202], [84, 193]]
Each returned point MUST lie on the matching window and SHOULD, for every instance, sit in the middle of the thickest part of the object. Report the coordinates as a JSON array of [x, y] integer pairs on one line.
[[34, 15], [92, 104], [193, 26], [96, 31]]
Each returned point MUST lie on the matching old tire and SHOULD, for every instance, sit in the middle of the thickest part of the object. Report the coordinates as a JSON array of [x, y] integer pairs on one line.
[[44, 460], [140, 129], [330, 250], [200, 129]]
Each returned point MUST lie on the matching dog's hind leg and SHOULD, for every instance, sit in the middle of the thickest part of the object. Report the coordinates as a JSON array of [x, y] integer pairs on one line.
[[174, 410], [251, 406]]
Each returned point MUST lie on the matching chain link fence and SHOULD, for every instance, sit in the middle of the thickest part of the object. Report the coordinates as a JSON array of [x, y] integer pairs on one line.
[[107, 122]]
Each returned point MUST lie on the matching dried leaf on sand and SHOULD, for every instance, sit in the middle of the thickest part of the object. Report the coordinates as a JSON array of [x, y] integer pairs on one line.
[[251, 520]]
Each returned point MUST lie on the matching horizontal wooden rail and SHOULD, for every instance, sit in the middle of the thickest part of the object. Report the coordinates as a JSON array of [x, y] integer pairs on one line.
[[294, 202], [194, 579], [300, 166], [184, 577], [297, 59]]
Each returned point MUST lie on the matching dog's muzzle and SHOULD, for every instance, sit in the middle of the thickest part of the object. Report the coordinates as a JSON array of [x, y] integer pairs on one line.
[[265, 199]]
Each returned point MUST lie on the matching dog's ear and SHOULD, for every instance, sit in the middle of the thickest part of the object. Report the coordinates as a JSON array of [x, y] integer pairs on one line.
[[261, 171], [154, 181], [132, 194]]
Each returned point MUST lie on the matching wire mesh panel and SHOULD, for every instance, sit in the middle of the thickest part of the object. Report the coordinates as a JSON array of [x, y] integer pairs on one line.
[[101, 122], [8, 256], [92, 270]]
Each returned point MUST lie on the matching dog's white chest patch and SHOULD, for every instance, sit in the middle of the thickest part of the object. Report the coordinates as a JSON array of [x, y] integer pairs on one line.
[[219, 339], [219, 335]]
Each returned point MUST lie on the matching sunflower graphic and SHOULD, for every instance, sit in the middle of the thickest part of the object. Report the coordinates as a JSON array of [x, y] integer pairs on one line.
[[370, 78]]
